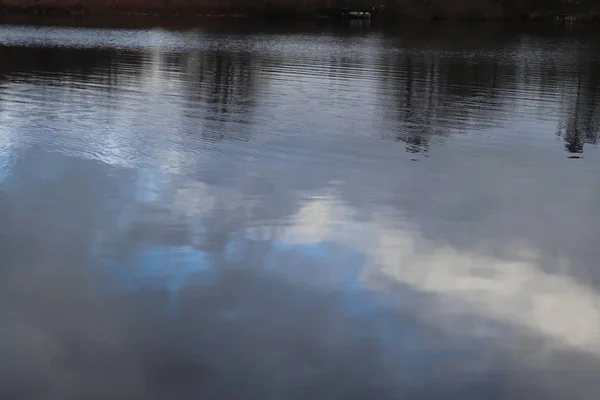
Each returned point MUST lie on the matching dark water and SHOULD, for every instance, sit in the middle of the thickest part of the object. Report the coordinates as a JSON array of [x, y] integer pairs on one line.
[[324, 213]]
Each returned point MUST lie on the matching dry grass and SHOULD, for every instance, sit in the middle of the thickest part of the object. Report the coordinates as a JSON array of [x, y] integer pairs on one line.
[[442, 9]]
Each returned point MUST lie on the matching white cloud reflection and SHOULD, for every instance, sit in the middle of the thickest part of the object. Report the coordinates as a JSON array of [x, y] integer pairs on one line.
[[517, 292]]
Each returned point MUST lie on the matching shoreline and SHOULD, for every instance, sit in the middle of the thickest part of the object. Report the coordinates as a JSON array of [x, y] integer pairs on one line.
[[260, 15]]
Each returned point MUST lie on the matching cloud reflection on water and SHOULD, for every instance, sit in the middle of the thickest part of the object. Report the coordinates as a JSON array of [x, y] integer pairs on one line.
[[239, 218]]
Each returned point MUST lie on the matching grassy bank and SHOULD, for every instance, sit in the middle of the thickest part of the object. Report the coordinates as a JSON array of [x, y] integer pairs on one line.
[[165, 7], [493, 9], [393, 9]]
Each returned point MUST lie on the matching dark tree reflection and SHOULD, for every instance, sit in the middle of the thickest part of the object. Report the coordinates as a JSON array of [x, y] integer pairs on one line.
[[440, 94], [582, 122]]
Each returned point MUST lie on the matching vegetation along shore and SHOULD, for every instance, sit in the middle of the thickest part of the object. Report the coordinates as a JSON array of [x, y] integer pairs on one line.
[[582, 10]]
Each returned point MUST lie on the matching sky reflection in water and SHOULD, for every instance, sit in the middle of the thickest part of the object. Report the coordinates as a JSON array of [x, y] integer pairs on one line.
[[262, 214]]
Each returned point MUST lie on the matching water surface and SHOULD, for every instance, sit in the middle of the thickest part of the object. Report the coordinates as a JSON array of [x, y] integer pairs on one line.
[[310, 213]]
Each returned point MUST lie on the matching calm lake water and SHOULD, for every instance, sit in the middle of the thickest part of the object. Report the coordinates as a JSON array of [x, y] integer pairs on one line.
[[299, 213]]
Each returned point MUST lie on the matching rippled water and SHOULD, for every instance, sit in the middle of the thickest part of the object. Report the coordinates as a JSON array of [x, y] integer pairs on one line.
[[323, 213]]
